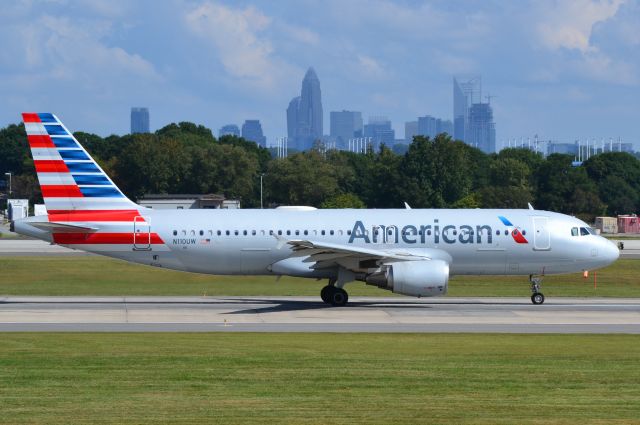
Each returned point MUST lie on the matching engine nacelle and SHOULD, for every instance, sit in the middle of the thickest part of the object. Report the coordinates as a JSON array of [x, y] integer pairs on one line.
[[425, 278]]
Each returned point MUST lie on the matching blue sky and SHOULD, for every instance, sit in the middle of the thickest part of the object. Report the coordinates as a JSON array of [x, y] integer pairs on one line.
[[559, 69]]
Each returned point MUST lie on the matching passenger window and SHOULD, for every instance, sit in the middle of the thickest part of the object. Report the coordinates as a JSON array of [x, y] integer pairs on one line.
[[184, 233], [175, 233], [331, 232], [306, 232], [574, 231], [584, 231], [524, 232], [340, 232], [236, 233], [497, 232], [506, 232], [228, 233], [219, 232], [210, 232], [348, 232], [280, 232], [253, 232], [297, 232], [244, 232], [288, 232], [193, 233], [201, 232]]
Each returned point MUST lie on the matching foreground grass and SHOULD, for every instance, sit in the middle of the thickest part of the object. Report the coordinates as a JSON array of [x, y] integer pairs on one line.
[[103, 276], [319, 378]]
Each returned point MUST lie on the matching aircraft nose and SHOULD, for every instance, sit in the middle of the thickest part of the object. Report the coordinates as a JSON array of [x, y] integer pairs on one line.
[[610, 251]]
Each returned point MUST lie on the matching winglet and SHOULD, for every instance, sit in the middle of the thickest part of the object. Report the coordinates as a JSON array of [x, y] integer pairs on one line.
[[530, 206], [406, 206]]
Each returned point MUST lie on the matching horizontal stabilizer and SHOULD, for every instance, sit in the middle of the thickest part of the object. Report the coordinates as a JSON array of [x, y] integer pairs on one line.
[[62, 227]]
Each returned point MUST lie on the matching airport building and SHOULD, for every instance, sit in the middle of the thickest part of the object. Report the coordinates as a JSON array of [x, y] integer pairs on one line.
[[187, 202]]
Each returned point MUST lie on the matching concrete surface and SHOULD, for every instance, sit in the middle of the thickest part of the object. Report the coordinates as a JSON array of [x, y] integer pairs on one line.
[[308, 314]]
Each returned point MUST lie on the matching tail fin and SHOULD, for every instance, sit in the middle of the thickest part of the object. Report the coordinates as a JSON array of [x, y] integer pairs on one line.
[[69, 178]]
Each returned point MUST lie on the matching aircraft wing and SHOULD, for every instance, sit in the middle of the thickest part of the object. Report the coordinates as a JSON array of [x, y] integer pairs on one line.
[[327, 255]]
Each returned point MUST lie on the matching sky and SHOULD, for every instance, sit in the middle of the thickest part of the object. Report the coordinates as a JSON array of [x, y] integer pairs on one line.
[[563, 70]]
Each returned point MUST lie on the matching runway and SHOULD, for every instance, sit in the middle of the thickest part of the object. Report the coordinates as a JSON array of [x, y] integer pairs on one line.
[[308, 314]]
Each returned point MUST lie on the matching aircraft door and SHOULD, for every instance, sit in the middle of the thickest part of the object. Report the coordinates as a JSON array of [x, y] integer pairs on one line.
[[141, 234], [541, 235]]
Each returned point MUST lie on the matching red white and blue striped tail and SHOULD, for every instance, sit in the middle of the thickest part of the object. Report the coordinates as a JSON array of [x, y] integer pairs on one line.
[[70, 180]]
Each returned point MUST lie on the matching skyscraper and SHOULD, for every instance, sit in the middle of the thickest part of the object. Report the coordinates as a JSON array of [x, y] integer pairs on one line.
[[304, 114], [410, 130], [481, 130], [345, 125], [229, 130], [379, 129], [466, 91], [252, 130], [139, 120]]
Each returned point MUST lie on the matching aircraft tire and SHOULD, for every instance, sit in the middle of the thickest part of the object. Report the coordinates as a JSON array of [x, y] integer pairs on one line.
[[325, 293], [537, 298], [339, 297]]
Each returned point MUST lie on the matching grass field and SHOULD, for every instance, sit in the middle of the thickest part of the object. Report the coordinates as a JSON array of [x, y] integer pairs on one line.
[[319, 379], [103, 276]]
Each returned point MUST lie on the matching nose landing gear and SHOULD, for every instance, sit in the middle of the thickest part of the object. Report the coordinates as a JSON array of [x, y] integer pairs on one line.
[[536, 297]]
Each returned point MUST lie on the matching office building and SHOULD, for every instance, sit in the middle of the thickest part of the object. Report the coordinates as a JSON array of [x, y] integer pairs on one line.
[[466, 92], [410, 130], [345, 125], [252, 130], [229, 130], [139, 120], [380, 131], [481, 130], [304, 114]]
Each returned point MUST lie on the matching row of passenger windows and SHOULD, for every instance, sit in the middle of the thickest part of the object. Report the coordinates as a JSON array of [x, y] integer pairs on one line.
[[583, 231], [390, 232]]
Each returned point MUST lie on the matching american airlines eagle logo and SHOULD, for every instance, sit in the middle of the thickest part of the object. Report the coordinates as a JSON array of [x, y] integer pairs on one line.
[[516, 233]]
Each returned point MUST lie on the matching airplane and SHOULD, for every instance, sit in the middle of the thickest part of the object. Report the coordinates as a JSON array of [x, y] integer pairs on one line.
[[412, 252]]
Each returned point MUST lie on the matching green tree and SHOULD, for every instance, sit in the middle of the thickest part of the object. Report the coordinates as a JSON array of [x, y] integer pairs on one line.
[[344, 200]]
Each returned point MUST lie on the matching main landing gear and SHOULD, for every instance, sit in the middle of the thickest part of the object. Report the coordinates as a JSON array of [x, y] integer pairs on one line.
[[536, 297], [333, 295]]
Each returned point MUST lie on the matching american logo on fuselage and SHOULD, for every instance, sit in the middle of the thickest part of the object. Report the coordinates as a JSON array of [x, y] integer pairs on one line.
[[433, 233]]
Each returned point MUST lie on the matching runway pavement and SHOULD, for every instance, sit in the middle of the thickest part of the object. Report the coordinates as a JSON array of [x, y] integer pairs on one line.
[[308, 314]]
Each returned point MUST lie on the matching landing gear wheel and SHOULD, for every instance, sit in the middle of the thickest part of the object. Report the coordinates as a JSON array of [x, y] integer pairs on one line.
[[537, 298], [339, 297], [325, 293]]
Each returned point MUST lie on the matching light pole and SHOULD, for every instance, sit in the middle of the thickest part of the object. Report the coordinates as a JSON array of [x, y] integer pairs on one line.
[[261, 176], [9, 174]]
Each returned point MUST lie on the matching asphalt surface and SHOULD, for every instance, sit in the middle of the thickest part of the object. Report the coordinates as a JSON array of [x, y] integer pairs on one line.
[[308, 314]]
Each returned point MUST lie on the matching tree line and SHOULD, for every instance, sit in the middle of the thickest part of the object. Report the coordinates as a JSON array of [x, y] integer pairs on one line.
[[431, 173]]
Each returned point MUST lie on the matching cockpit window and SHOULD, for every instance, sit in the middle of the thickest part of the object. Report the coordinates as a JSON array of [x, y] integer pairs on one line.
[[574, 231], [584, 231]]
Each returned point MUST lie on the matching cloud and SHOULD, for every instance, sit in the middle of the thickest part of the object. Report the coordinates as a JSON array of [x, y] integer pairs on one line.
[[568, 24], [235, 35]]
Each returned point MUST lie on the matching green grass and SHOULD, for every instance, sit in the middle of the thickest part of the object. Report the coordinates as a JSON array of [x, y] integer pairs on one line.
[[319, 379], [103, 276]]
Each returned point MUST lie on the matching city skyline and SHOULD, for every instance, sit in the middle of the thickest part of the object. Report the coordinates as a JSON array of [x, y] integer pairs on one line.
[[562, 70]]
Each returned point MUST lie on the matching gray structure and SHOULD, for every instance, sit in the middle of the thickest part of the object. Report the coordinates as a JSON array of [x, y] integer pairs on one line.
[[252, 130], [481, 130], [410, 130], [139, 120], [345, 125], [229, 130], [466, 91], [304, 114], [563, 148], [379, 129], [187, 202]]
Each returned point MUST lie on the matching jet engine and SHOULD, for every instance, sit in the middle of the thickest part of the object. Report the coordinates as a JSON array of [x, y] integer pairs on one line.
[[424, 278]]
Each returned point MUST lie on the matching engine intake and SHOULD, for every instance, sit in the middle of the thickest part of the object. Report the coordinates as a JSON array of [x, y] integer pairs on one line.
[[425, 278]]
